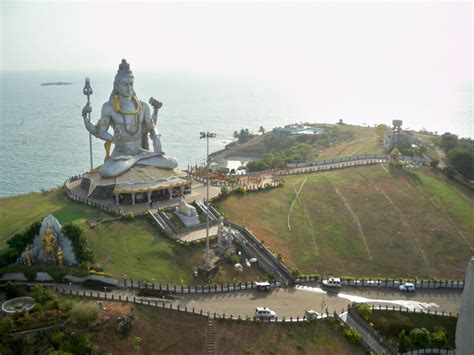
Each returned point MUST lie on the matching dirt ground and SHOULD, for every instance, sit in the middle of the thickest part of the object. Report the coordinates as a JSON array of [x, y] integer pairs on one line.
[[165, 331]]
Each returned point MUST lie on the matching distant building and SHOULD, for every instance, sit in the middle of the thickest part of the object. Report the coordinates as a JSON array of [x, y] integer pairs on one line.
[[295, 129], [397, 140]]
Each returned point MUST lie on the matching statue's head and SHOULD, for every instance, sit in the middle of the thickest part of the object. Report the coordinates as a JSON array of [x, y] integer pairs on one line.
[[123, 82]]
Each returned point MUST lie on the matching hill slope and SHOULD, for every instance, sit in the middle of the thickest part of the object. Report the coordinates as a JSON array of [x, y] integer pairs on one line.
[[364, 221]]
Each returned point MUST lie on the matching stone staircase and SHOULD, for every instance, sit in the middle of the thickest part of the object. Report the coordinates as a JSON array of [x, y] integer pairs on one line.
[[210, 336], [369, 339]]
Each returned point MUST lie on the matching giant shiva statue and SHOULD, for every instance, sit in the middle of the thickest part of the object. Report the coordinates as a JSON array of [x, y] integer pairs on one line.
[[132, 124]]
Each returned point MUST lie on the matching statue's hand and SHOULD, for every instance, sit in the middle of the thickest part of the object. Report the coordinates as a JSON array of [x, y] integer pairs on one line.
[[157, 145], [86, 110]]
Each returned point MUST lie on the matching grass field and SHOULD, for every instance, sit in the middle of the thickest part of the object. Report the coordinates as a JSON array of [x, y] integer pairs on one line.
[[365, 221], [365, 142], [134, 248]]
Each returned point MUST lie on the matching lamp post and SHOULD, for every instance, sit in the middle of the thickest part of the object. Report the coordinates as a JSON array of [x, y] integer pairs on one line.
[[207, 135]]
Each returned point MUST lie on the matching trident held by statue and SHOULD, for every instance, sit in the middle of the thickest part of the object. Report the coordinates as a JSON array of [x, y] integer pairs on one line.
[[88, 92]]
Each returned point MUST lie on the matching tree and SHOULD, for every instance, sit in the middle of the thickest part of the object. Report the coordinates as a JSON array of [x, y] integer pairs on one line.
[[261, 130], [404, 343], [364, 311], [463, 161], [420, 338], [448, 141]]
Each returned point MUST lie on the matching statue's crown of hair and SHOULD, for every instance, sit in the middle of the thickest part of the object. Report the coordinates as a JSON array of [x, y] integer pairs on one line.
[[124, 68]]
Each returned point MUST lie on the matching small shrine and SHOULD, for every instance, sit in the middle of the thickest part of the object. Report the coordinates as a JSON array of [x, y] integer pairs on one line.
[[50, 246]]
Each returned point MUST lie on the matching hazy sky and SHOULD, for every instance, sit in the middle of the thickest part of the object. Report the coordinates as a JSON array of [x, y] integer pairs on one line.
[[419, 55]]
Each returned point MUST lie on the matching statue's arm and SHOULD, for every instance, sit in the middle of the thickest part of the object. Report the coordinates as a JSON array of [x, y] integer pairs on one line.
[[104, 123], [150, 128], [148, 122], [98, 130]]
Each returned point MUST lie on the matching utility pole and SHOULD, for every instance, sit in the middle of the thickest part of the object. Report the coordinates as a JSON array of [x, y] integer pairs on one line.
[[207, 135]]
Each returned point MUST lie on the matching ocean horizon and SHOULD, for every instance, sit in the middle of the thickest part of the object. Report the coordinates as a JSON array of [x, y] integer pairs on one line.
[[44, 141]]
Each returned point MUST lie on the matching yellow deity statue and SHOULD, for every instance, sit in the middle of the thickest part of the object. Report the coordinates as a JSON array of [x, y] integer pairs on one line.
[[60, 258], [394, 158], [28, 257], [49, 243]]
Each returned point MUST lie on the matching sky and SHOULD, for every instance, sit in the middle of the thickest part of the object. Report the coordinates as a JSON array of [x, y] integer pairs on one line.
[[408, 60]]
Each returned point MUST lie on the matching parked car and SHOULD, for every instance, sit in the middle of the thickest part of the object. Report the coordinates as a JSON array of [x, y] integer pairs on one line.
[[407, 287], [264, 313], [310, 314], [332, 282], [263, 286]]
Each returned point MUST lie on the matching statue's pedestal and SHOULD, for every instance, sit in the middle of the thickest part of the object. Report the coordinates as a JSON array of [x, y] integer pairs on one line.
[[140, 184], [188, 221], [208, 270]]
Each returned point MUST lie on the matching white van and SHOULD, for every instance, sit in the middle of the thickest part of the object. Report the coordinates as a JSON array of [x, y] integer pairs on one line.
[[407, 287], [264, 313], [332, 282]]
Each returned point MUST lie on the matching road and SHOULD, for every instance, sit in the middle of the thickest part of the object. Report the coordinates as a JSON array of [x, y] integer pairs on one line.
[[293, 302]]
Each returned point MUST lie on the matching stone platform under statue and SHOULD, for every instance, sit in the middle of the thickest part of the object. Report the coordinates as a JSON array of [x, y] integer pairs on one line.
[[140, 182]]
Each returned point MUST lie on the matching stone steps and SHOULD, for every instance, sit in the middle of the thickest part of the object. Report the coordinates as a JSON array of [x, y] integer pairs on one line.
[[210, 336]]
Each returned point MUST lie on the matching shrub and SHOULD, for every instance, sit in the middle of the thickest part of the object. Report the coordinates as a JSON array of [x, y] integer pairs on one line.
[[82, 344], [8, 256], [84, 315], [420, 338], [11, 290], [364, 310], [439, 338], [434, 163], [79, 243], [353, 336], [19, 241], [42, 295], [234, 259]]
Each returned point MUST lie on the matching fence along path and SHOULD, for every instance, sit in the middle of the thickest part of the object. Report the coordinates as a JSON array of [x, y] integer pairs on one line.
[[166, 304], [389, 283]]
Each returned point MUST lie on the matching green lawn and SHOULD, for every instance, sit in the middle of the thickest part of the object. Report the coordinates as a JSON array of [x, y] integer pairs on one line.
[[365, 141], [18, 212], [134, 248], [397, 217]]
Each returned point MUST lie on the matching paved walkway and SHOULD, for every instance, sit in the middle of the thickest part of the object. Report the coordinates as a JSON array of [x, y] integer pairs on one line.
[[198, 194], [197, 234]]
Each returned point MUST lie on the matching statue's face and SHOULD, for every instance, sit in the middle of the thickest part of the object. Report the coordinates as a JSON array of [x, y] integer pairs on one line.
[[124, 86]]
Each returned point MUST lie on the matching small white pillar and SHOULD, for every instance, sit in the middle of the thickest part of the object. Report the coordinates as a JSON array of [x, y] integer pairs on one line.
[[170, 191], [149, 196], [181, 190], [133, 198], [117, 201]]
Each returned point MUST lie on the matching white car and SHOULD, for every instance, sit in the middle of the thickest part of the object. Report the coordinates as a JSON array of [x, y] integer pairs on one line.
[[407, 287], [264, 313], [332, 282]]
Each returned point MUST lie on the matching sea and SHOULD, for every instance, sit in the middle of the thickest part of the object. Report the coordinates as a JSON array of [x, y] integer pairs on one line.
[[43, 139]]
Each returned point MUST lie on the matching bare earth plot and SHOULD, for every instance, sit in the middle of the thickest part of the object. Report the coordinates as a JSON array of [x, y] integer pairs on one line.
[[163, 331], [411, 224]]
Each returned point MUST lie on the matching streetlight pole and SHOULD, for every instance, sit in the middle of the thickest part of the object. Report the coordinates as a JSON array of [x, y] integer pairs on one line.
[[207, 135]]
